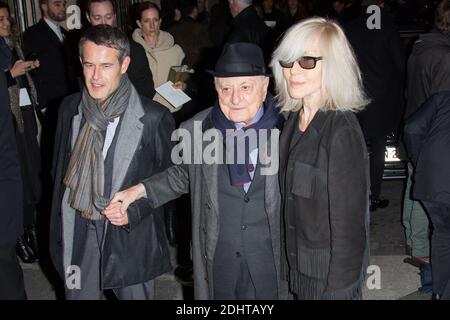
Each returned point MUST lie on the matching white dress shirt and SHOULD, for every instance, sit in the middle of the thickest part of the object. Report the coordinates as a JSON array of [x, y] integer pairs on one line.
[[56, 29]]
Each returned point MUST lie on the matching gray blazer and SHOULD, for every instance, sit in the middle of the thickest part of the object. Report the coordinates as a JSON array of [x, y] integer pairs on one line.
[[201, 181]]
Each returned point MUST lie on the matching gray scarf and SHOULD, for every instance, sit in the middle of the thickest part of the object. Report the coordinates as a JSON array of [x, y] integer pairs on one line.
[[85, 175]]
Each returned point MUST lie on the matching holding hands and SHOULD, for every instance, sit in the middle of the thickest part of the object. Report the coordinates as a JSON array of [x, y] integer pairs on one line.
[[116, 211]]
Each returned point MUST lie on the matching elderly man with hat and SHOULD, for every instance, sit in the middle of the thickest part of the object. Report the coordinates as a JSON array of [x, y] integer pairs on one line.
[[235, 204]]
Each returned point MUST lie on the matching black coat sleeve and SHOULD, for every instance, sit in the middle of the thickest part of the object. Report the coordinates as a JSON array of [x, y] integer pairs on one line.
[[142, 208], [139, 71], [10, 178], [417, 127]]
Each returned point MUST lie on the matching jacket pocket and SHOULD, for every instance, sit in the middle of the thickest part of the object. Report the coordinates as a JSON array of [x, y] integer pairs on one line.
[[303, 179]]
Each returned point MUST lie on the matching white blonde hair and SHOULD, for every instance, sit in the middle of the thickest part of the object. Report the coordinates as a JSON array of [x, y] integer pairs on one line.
[[342, 87]]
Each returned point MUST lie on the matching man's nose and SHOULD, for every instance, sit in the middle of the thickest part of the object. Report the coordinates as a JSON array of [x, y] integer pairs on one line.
[[236, 97], [96, 74]]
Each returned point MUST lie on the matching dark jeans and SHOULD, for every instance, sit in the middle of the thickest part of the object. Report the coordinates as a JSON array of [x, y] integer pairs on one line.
[[11, 275], [377, 148], [439, 214]]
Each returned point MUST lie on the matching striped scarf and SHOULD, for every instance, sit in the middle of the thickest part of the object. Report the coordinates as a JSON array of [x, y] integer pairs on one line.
[[85, 175]]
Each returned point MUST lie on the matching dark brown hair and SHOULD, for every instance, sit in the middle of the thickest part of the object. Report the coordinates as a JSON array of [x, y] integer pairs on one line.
[[145, 6]]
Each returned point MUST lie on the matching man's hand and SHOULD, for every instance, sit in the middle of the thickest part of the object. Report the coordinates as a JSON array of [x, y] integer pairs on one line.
[[123, 199], [115, 215]]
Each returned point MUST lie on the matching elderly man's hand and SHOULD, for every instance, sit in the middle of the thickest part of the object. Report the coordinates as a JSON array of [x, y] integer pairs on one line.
[[123, 199], [115, 215]]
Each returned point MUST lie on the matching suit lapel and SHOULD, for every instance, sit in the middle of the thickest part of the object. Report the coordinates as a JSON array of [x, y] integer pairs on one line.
[[210, 171], [285, 139], [76, 121], [271, 186], [51, 32], [130, 135]]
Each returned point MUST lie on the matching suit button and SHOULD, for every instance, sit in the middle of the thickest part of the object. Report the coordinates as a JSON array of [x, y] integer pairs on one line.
[[204, 229], [204, 256], [244, 227], [238, 254], [246, 199]]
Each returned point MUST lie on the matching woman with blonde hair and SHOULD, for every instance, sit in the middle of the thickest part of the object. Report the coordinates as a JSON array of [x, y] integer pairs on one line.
[[323, 162]]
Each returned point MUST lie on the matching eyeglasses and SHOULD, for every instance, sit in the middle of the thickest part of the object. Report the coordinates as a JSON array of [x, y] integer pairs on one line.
[[306, 62]]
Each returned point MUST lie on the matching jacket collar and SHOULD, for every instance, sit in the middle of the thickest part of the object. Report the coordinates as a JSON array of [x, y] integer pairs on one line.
[[291, 124]]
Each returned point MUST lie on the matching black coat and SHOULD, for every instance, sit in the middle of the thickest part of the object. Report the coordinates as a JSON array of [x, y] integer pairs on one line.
[[325, 188], [249, 27], [55, 78], [139, 71], [381, 59], [10, 179], [428, 69], [139, 252], [427, 138]]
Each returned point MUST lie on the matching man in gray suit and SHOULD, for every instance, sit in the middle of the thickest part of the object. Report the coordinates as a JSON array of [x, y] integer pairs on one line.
[[235, 203], [108, 138]]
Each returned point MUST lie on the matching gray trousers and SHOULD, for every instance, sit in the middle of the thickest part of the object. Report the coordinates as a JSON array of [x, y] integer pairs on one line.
[[90, 286]]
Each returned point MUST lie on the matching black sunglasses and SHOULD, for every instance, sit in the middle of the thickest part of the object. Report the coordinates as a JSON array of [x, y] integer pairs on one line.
[[306, 62]]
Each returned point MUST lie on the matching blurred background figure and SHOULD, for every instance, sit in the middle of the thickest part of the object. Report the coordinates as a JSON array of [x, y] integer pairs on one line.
[[160, 47], [11, 275], [428, 73], [381, 58], [427, 138], [296, 10], [23, 104]]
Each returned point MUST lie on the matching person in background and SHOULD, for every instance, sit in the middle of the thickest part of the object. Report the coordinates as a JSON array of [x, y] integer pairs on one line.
[[427, 138], [11, 275], [23, 104], [381, 59], [428, 73], [160, 48]]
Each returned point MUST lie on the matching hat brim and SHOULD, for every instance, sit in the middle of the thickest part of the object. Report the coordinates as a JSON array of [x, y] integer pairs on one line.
[[237, 74]]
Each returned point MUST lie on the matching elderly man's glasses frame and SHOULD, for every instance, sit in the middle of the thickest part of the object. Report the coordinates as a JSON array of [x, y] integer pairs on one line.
[[305, 62]]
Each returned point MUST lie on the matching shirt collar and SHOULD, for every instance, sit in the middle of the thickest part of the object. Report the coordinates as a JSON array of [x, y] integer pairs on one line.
[[55, 27], [258, 116]]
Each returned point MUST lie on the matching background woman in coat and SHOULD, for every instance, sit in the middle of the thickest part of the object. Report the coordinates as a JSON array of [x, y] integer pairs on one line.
[[162, 52], [19, 85], [324, 163]]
